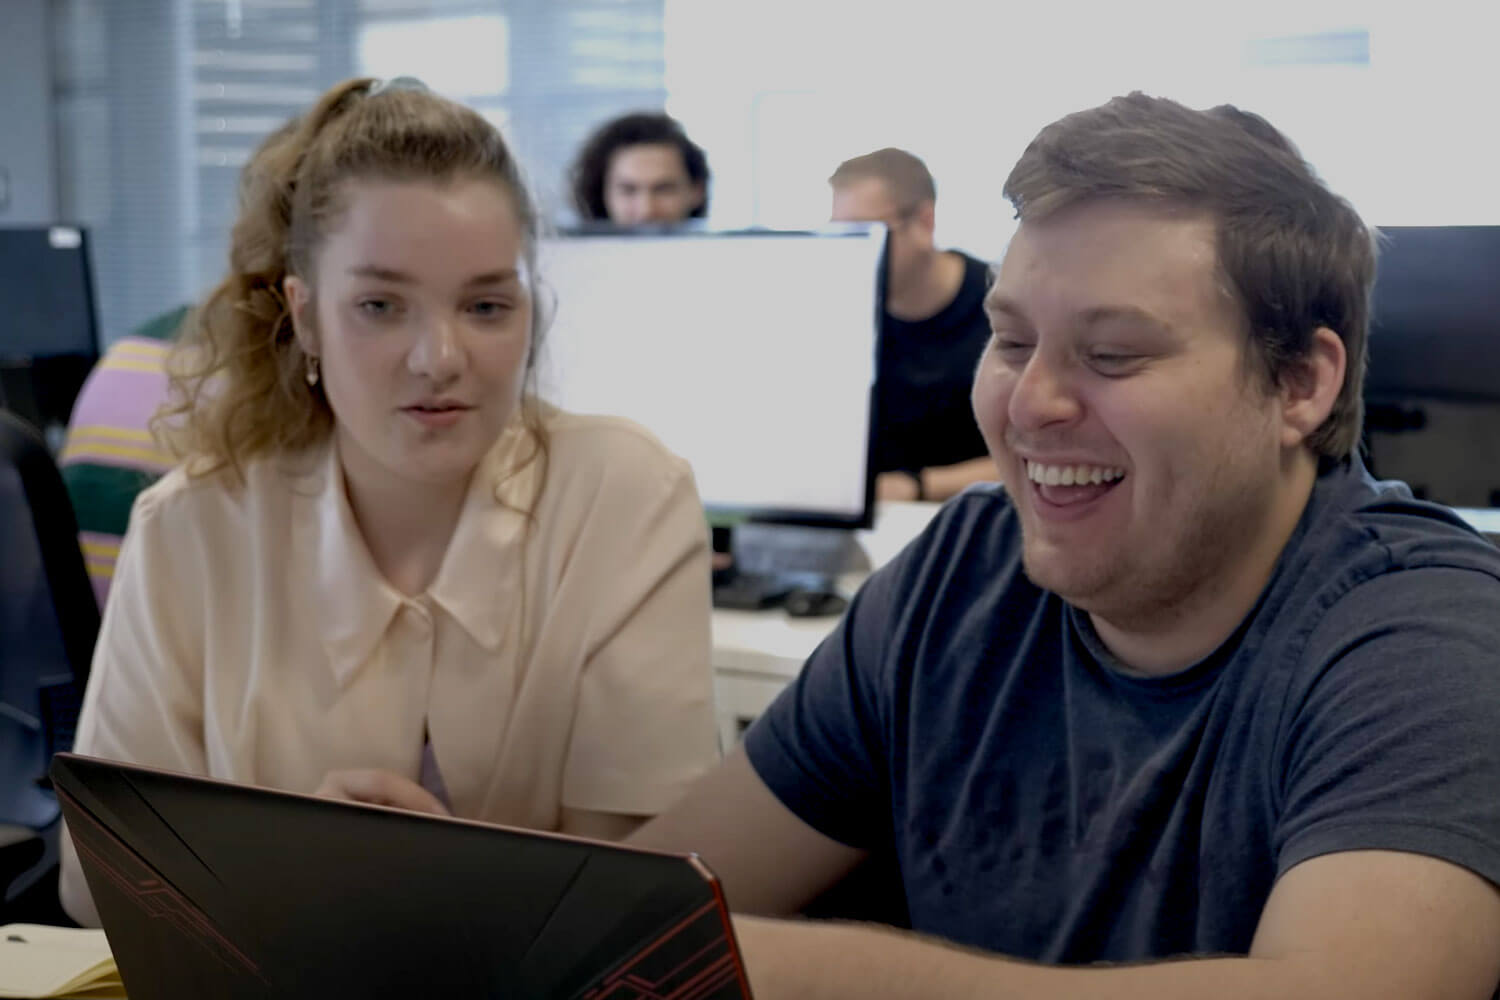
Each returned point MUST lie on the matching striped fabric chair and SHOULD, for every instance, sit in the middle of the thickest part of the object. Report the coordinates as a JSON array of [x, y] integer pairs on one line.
[[109, 455]]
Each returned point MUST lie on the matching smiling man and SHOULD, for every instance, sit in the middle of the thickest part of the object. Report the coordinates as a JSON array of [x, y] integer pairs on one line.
[[1190, 685]]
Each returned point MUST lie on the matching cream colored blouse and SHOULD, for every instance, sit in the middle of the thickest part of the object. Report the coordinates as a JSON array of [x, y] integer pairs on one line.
[[562, 661]]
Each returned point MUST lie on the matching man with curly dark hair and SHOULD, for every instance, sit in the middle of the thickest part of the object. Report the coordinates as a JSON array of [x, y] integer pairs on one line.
[[640, 167]]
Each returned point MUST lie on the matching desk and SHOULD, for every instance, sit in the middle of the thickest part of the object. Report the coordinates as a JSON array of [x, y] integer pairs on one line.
[[755, 653], [1485, 520]]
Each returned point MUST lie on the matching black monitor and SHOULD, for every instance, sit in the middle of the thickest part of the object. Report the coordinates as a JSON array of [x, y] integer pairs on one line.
[[751, 353], [49, 338], [1435, 325], [1432, 392]]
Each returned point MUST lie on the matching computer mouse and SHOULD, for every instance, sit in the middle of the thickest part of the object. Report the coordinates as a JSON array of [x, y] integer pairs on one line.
[[807, 602]]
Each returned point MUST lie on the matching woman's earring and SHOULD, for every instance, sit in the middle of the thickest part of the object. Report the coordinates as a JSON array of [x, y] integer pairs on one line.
[[313, 373]]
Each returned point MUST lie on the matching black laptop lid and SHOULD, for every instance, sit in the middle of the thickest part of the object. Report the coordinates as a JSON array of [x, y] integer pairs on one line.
[[207, 888]]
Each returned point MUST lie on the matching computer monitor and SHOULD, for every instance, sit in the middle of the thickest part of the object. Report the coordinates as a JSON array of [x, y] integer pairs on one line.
[[49, 338], [751, 353], [1435, 325], [1432, 393]]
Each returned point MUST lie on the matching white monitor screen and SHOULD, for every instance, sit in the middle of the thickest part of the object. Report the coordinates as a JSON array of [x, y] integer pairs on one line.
[[751, 354]]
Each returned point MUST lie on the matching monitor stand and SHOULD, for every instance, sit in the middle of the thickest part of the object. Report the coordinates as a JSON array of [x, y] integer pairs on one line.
[[772, 560]]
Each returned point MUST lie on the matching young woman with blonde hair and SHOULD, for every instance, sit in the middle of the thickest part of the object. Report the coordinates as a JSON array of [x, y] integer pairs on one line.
[[385, 570]]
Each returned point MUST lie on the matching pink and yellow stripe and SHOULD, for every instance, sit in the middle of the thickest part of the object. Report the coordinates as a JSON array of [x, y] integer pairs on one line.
[[100, 553], [110, 424]]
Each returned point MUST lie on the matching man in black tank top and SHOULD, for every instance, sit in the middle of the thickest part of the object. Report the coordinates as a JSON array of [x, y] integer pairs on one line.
[[927, 445]]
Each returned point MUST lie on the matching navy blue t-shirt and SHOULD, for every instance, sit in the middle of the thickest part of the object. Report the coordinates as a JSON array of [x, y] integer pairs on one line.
[[1043, 803]]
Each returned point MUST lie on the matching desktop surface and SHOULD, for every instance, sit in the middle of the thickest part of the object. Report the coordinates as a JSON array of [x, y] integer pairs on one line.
[[1485, 520], [757, 653], [773, 642]]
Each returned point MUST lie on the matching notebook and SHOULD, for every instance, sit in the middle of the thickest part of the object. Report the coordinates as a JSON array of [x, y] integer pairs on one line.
[[207, 888], [39, 961]]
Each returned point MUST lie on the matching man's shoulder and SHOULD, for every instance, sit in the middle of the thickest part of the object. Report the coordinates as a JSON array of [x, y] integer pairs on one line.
[[1382, 528], [962, 319], [976, 284], [975, 270], [1415, 533], [1375, 565]]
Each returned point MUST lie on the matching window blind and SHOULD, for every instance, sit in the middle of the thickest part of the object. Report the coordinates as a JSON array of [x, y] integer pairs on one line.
[[160, 103]]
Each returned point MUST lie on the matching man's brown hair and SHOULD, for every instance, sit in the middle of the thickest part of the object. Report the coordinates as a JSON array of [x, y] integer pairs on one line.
[[1294, 255], [907, 177]]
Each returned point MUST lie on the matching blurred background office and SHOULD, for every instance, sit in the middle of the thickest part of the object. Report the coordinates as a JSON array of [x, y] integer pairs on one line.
[[133, 118]]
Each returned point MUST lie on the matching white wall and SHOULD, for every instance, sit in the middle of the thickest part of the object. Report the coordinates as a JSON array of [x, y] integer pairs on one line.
[[27, 155], [780, 91]]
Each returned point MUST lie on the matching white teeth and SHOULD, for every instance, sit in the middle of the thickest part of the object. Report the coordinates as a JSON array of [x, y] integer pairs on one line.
[[1072, 475]]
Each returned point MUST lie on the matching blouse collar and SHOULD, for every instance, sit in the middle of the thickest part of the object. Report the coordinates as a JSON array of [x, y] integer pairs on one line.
[[478, 580]]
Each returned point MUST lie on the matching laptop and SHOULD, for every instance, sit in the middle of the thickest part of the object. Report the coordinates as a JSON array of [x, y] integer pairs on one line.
[[207, 888]]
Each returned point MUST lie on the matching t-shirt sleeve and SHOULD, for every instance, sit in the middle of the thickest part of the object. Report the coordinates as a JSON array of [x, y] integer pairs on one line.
[[644, 725], [820, 747], [1396, 744]]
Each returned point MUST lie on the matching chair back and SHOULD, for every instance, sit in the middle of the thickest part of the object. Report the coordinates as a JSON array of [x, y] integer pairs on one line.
[[49, 622]]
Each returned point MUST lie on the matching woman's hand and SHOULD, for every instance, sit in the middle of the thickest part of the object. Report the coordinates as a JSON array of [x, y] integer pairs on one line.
[[381, 788]]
